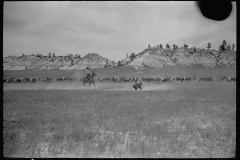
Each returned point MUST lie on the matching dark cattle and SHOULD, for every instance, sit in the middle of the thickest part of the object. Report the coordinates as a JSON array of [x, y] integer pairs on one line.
[[68, 79], [60, 79], [232, 79], [48, 79], [134, 79], [121, 79], [113, 79], [173, 79], [11, 80], [5, 80], [157, 80], [206, 79], [33, 80], [181, 79], [106, 79], [26, 79], [223, 78], [151, 80], [97, 79], [167, 80], [19, 80], [187, 79], [127, 79], [41, 79], [147, 80], [137, 86]]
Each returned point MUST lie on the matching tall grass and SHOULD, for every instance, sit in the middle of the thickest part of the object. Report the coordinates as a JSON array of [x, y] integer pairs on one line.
[[192, 121]]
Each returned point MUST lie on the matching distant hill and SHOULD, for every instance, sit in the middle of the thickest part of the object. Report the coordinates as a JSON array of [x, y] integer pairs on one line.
[[157, 57], [92, 60]]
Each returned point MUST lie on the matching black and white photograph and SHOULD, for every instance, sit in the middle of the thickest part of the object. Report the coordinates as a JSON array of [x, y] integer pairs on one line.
[[119, 79]]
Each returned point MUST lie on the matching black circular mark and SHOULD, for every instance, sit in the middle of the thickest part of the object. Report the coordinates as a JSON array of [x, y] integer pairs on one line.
[[215, 10]]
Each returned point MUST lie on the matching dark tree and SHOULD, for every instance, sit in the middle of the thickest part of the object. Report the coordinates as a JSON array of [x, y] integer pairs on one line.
[[209, 45], [149, 46], [39, 55], [119, 63], [229, 47], [233, 47], [132, 56], [194, 49], [224, 45], [79, 56], [220, 48], [185, 46], [53, 55], [160, 46], [49, 55], [174, 46], [167, 46]]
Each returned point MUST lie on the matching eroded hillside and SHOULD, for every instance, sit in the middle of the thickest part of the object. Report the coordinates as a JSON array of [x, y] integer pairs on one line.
[[158, 57], [92, 60], [151, 57]]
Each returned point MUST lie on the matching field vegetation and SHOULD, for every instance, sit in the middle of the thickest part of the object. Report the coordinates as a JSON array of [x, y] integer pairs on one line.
[[194, 120]]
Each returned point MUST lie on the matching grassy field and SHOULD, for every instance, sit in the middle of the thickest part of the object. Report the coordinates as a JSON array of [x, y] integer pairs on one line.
[[195, 120]]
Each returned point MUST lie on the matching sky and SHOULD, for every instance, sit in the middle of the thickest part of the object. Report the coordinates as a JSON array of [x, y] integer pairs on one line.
[[111, 29]]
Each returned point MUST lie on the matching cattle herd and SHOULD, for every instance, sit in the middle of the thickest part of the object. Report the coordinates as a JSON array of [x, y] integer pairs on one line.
[[166, 79]]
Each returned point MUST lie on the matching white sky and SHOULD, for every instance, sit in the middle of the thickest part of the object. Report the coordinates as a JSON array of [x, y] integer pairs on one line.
[[109, 28]]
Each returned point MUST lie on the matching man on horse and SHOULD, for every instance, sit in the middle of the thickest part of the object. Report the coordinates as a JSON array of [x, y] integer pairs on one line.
[[88, 73]]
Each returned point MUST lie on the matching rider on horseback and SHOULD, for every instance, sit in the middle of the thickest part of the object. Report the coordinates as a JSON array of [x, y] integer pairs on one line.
[[88, 73]]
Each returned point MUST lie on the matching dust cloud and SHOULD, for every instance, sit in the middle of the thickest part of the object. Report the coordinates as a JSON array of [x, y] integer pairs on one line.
[[79, 86]]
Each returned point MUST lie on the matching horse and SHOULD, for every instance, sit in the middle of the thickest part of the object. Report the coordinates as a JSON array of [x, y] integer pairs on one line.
[[90, 80]]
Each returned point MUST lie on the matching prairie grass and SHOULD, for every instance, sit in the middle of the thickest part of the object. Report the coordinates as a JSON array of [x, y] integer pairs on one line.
[[195, 120]]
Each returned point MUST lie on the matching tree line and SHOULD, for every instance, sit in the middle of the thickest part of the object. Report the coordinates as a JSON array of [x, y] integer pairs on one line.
[[222, 46]]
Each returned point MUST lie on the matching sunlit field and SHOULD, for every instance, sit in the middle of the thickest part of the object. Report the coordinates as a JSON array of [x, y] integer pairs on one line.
[[178, 120]]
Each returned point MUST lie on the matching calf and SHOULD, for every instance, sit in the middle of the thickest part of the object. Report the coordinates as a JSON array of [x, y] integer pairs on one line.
[[137, 85]]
